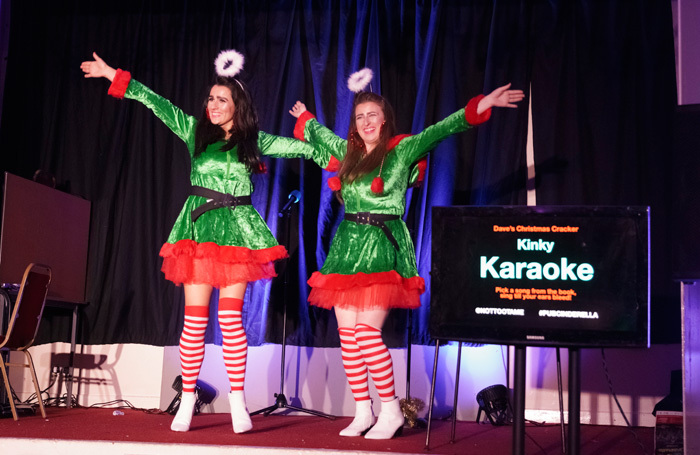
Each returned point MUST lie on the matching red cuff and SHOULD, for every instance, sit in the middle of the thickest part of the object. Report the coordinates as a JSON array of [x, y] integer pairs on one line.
[[470, 112], [301, 124], [333, 164], [119, 84]]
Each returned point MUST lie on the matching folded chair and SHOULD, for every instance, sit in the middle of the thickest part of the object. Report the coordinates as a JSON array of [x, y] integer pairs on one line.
[[24, 324]]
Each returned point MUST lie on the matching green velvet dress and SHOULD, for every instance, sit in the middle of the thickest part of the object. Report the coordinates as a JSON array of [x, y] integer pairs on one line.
[[363, 269], [225, 245]]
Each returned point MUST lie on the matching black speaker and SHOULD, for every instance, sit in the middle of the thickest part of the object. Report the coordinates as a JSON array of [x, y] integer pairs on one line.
[[685, 211]]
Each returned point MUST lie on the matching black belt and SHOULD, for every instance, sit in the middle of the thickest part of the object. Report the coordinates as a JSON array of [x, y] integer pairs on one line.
[[217, 201], [375, 219]]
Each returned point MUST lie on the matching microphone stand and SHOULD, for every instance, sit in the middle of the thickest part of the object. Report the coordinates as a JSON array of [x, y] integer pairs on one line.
[[280, 398]]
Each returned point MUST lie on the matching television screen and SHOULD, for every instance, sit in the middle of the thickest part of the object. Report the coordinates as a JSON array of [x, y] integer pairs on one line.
[[43, 225], [541, 276]]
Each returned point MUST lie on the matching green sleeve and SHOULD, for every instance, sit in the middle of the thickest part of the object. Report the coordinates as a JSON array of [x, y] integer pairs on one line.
[[417, 146], [325, 140], [181, 124], [286, 147]]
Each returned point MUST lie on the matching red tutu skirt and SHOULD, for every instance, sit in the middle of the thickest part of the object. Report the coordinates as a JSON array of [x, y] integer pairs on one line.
[[365, 291], [189, 262]]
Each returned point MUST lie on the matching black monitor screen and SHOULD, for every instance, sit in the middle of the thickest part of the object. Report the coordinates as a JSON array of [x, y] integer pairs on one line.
[[541, 276]]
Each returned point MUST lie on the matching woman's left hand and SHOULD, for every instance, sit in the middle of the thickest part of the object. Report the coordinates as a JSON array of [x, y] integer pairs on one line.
[[501, 97]]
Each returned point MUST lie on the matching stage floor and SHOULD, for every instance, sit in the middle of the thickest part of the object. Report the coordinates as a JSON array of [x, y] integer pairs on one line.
[[97, 430]]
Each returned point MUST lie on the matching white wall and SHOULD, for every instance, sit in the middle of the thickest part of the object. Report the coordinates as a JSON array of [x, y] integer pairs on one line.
[[314, 378]]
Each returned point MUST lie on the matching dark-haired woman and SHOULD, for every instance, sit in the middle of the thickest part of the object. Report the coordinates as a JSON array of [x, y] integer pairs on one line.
[[219, 240], [371, 265]]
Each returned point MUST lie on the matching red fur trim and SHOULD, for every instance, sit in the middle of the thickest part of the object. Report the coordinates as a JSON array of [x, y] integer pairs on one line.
[[394, 141], [190, 262], [334, 183], [377, 185], [470, 112], [333, 164], [301, 124], [119, 84], [365, 291]]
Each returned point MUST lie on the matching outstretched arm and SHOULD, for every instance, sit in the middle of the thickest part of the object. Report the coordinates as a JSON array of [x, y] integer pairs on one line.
[[97, 68], [124, 87], [317, 135], [501, 97]]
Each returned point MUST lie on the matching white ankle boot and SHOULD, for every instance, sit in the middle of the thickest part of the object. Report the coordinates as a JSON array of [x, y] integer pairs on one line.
[[363, 421], [239, 412], [183, 418], [389, 423]]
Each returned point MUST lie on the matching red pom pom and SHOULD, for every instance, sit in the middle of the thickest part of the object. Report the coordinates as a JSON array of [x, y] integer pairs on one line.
[[422, 165], [333, 164], [334, 183], [377, 185]]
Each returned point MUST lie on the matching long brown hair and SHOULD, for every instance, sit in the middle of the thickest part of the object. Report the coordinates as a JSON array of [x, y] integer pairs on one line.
[[244, 132], [356, 164]]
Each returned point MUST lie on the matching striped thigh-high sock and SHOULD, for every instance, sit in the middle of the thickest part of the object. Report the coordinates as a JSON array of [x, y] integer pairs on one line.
[[235, 343], [192, 345], [377, 358], [355, 368]]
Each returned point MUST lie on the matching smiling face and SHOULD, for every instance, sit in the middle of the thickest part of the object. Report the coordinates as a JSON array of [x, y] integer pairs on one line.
[[369, 118], [221, 108]]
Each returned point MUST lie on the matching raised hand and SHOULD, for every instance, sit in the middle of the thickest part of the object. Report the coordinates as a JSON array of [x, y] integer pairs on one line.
[[501, 97], [298, 109], [97, 68]]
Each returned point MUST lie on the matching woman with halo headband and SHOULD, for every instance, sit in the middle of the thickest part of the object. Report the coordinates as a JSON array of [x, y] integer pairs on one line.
[[219, 240], [371, 265]]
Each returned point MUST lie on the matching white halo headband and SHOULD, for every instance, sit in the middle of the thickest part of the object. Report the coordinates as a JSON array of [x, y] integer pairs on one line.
[[360, 79], [229, 63]]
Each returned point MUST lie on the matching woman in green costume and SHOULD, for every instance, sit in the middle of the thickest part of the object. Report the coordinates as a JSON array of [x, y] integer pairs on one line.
[[371, 265], [219, 240]]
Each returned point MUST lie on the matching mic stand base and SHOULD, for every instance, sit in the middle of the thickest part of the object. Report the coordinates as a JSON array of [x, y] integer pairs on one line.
[[280, 399], [281, 403]]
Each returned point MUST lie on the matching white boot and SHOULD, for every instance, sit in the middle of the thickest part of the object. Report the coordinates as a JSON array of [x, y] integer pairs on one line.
[[363, 421], [389, 422], [239, 412], [182, 419]]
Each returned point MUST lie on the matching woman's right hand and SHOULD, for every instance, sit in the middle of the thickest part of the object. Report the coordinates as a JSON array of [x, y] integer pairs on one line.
[[97, 68], [298, 109]]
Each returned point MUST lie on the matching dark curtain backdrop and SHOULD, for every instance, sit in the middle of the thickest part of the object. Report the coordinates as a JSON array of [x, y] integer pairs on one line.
[[602, 85]]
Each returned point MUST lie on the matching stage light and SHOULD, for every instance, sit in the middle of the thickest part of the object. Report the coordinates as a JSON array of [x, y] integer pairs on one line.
[[204, 392], [495, 402]]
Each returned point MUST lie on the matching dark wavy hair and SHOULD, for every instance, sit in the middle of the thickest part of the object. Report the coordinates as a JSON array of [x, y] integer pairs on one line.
[[356, 164], [244, 132]]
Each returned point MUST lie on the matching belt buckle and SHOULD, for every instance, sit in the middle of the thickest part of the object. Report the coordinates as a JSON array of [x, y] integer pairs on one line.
[[363, 217]]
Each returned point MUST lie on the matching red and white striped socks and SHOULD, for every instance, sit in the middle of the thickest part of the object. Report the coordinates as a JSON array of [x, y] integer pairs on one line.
[[377, 358], [235, 343], [192, 345], [354, 364]]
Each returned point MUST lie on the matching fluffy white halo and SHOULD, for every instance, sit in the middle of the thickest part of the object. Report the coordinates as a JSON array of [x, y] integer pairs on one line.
[[360, 79], [229, 63]]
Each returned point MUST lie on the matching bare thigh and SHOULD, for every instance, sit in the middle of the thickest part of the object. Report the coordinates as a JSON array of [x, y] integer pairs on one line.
[[350, 318]]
